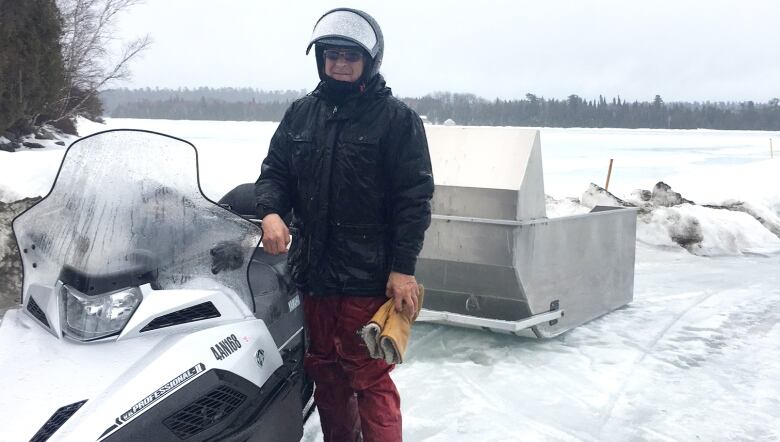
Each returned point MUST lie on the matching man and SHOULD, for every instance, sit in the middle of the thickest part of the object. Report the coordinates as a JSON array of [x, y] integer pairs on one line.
[[350, 163]]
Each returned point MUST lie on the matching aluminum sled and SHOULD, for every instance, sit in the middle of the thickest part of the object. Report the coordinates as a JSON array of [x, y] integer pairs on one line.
[[148, 311], [493, 260]]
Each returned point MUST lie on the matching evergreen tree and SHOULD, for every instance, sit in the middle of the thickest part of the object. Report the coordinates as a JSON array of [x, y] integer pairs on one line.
[[31, 71]]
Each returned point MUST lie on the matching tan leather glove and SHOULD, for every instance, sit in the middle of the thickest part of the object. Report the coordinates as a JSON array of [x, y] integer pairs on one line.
[[370, 333], [394, 337]]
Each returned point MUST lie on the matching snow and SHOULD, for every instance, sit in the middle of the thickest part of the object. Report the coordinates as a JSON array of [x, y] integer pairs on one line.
[[695, 356], [27, 173]]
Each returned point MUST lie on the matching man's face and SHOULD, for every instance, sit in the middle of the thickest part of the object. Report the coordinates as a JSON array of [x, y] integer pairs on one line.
[[343, 64]]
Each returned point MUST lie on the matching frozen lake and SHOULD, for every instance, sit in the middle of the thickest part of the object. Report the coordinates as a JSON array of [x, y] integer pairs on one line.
[[695, 356], [230, 153]]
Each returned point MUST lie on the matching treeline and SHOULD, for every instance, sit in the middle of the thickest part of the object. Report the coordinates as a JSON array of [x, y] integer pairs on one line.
[[465, 109], [113, 98], [203, 103], [574, 111], [177, 108]]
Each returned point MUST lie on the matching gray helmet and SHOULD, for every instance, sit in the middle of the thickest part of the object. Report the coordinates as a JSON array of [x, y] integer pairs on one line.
[[350, 27]]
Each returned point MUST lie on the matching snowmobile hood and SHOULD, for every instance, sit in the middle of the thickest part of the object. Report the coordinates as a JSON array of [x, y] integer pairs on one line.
[[112, 384]]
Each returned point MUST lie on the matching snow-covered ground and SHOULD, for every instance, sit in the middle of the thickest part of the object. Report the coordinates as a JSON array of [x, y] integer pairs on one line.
[[695, 356]]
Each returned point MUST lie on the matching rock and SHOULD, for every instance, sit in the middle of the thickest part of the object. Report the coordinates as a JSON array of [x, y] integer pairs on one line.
[[7, 144], [32, 145], [686, 231], [10, 264], [43, 134], [59, 143], [449, 122], [663, 195], [8, 147]]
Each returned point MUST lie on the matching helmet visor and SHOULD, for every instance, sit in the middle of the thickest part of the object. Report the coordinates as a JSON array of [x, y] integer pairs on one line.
[[345, 25]]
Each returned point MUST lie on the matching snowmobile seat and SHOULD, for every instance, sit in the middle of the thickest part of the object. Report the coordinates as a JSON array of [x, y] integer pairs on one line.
[[241, 200]]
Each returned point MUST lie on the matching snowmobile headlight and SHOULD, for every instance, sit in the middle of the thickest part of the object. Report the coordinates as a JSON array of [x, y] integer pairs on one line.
[[93, 317]]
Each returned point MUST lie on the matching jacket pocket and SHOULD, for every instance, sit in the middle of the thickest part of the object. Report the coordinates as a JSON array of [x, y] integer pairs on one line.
[[357, 255], [303, 154], [358, 173], [361, 151]]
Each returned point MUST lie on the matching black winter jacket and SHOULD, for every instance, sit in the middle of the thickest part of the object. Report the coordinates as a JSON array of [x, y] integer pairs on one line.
[[357, 179]]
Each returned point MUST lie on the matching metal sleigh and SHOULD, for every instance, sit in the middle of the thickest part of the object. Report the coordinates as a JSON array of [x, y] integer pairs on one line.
[[492, 258]]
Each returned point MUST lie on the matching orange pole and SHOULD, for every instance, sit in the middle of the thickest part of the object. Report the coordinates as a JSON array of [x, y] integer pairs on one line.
[[609, 174]]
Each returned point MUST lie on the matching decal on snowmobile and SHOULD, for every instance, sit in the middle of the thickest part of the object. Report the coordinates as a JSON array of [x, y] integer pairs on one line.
[[294, 303], [162, 391], [226, 347], [168, 387]]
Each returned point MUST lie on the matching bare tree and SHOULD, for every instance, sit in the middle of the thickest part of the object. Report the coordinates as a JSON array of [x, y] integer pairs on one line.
[[87, 37]]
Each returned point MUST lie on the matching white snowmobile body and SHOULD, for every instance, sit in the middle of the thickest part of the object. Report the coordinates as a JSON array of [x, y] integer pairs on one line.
[[148, 312]]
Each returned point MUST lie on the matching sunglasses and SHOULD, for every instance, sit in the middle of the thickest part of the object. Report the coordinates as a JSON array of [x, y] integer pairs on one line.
[[349, 56]]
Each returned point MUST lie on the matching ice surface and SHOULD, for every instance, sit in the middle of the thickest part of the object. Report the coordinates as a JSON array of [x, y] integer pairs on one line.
[[695, 356]]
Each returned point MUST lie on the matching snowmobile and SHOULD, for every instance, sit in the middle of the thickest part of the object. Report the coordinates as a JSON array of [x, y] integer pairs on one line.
[[148, 311]]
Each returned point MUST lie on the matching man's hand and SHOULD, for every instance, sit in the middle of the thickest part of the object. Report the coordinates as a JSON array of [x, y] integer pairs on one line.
[[276, 235], [403, 289]]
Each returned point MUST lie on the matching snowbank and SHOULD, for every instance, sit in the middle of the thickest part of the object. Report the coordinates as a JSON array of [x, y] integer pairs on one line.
[[28, 173], [669, 220], [706, 231]]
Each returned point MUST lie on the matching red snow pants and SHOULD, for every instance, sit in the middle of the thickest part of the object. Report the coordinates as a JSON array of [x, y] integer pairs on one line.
[[354, 394]]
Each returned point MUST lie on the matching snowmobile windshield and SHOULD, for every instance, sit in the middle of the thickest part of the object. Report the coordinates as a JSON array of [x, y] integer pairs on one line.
[[126, 209]]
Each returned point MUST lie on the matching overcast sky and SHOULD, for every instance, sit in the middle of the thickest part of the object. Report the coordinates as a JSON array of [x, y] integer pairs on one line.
[[681, 49]]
